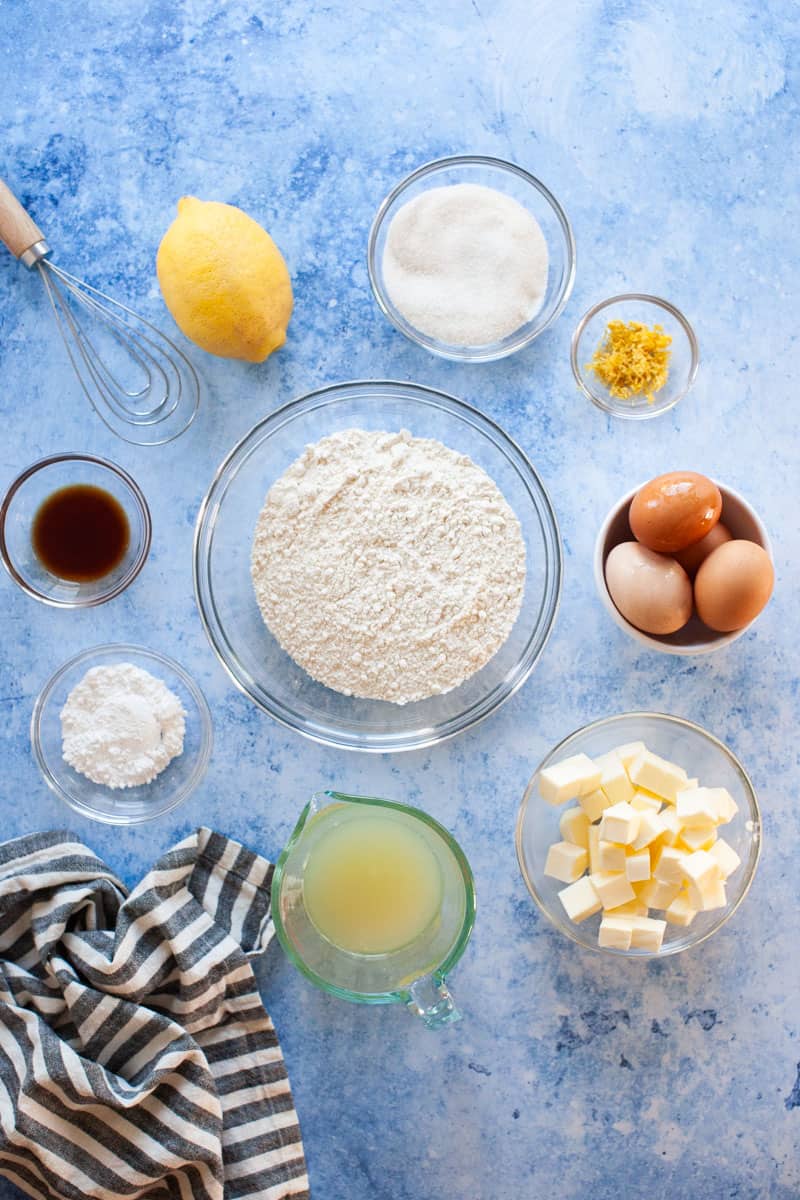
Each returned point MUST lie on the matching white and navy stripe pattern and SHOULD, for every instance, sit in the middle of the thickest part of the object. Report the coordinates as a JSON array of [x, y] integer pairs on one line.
[[136, 1059]]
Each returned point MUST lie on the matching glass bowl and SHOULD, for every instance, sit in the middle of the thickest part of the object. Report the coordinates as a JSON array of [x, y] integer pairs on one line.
[[224, 590], [18, 511], [512, 181], [122, 806], [683, 363], [695, 638], [680, 741]]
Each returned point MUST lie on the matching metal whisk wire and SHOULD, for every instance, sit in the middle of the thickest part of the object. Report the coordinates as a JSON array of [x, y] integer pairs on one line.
[[165, 400], [95, 365], [154, 353]]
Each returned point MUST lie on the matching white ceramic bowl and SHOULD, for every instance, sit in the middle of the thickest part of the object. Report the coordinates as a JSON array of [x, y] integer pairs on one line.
[[695, 637]]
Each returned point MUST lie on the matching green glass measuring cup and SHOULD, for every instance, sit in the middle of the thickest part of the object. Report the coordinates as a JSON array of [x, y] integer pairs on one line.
[[412, 973]]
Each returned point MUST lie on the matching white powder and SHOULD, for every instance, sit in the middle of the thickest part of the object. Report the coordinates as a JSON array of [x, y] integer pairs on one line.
[[388, 566], [465, 264], [121, 726]]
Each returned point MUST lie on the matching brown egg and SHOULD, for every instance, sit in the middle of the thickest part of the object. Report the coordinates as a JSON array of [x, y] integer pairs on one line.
[[692, 557], [733, 585], [651, 591], [674, 511]]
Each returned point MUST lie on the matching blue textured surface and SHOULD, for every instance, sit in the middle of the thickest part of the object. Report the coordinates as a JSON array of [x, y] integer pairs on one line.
[[669, 133]]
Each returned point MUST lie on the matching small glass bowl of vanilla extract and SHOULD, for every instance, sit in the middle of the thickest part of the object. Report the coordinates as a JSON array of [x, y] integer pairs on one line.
[[74, 530]]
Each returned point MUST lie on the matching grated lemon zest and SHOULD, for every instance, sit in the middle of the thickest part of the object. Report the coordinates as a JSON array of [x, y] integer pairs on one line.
[[632, 360]]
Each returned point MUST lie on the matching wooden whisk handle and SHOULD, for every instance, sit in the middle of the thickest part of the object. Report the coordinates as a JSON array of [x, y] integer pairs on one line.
[[21, 234]]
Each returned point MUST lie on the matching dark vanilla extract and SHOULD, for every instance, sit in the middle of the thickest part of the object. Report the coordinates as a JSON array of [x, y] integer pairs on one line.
[[80, 533]]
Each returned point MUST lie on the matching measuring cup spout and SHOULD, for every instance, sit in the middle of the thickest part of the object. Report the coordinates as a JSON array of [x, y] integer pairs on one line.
[[430, 999]]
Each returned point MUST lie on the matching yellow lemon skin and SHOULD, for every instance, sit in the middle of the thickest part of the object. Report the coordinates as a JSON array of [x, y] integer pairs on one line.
[[224, 280]]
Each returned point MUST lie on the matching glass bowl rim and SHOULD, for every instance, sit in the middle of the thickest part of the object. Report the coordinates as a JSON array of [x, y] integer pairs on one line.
[[139, 503], [643, 412], [428, 396], [206, 730], [754, 814], [467, 924], [444, 349]]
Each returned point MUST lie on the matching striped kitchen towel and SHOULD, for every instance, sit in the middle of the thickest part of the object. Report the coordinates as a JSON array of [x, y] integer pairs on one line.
[[136, 1059]]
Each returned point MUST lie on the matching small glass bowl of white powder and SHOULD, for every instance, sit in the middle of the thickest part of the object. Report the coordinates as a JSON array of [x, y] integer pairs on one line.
[[121, 734], [471, 257]]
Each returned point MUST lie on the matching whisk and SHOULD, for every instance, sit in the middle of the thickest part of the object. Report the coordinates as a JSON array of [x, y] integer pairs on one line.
[[160, 401]]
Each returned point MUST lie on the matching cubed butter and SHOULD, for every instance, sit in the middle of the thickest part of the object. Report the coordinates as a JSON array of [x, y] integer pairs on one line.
[[594, 843], [708, 895], [696, 807], [648, 835], [580, 899], [700, 838], [671, 826], [642, 801], [612, 887], [633, 908], [725, 805], [668, 865], [610, 856], [615, 932], [594, 804], [647, 933], [726, 856], [656, 894], [701, 868], [575, 776], [629, 752], [574, 827], [566, 861], [620, 823], [681, 911], [656, 775], [615, 782], [637, 866], [651, 826]]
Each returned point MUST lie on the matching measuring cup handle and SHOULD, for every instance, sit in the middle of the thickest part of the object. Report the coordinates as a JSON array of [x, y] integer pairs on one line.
[[21, 234], [431, 1000]]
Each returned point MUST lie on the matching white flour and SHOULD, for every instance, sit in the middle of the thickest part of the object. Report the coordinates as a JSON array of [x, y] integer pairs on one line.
[[465, 264], [121, 726], [388, 566]]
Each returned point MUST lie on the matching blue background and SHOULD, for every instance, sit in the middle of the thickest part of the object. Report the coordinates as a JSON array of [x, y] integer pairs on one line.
[[669, 133]]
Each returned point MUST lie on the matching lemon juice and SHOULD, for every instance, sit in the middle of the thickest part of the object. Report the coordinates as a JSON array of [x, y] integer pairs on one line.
[[371, 882]]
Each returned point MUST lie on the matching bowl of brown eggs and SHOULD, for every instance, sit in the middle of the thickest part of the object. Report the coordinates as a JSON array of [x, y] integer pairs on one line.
[[683, 564]]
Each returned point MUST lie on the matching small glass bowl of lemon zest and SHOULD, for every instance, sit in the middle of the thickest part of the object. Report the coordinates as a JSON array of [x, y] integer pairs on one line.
[[632, 360]]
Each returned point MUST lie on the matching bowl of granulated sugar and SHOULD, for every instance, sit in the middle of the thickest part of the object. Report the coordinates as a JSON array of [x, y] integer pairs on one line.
[[471, 257]]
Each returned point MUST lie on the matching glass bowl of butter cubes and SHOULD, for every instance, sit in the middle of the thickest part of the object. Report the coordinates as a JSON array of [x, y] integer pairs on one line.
[[639, 835]]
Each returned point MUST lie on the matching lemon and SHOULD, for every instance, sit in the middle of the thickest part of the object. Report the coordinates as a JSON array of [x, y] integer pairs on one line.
[[224, 280]]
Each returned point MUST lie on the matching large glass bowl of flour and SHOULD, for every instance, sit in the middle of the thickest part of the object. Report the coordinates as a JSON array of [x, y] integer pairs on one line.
[[226, 599]]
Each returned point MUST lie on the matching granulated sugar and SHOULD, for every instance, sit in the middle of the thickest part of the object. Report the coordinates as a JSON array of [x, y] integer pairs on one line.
[[465, 264], [388, 566]]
